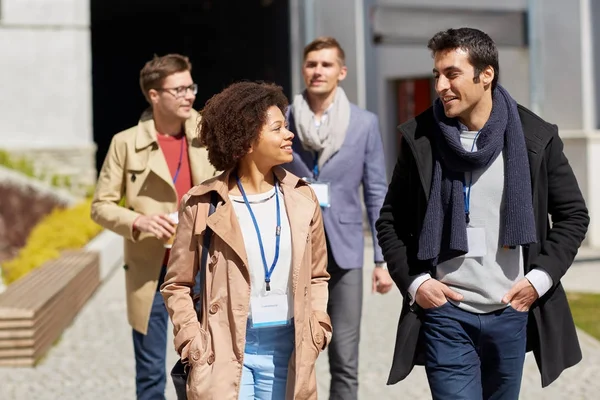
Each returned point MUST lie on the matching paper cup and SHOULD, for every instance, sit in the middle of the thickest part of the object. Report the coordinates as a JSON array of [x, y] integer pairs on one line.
[[174, 216]]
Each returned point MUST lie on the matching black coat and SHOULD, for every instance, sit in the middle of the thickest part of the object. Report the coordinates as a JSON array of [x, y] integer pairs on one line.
[[551, 331]]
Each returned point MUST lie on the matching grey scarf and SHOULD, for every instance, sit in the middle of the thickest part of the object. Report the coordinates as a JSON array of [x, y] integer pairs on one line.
[[444, 233], [328, 138]]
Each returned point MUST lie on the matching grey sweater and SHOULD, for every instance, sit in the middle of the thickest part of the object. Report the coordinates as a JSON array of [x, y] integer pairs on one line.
[[483, 281]]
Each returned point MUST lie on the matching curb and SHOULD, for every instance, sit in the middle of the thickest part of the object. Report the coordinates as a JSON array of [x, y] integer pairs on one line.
[[109, 245]]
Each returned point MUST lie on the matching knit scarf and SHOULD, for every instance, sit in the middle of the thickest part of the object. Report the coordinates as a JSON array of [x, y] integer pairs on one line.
[[444, 232], [327, 139]]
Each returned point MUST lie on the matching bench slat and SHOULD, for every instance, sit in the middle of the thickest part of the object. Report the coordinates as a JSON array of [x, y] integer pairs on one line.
[[44, 285], [35, 310]]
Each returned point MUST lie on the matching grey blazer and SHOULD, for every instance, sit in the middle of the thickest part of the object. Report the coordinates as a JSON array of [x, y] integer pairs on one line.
[[359, 161]]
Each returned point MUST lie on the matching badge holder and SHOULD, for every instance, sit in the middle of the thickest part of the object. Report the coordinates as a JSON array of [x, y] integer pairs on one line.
[[321, 190], [476, 242], [270, 311]]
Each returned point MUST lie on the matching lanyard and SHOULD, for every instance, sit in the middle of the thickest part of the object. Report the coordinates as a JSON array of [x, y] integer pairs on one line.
[[316, 167], [180, 159], [268, 271], [467, 189]]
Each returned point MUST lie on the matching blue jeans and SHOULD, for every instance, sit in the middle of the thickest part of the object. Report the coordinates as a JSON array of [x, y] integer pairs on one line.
[[266, 357], [474, 356], [151, 351]]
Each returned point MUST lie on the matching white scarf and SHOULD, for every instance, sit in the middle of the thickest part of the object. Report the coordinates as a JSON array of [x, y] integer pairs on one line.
[[328, 138]]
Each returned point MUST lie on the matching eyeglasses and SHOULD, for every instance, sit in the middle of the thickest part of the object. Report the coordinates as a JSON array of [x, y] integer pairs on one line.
[[181, 91]]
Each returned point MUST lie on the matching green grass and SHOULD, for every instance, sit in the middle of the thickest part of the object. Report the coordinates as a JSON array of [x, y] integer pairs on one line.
[[586, 312]]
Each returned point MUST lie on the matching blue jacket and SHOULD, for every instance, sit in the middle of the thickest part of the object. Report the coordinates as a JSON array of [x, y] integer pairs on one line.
[[359, 161]]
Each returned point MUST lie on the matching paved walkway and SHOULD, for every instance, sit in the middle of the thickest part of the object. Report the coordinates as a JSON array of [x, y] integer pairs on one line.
[[94, 358]]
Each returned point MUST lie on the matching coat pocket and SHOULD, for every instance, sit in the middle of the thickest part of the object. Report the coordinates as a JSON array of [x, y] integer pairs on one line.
[[199, 349], [317, 334], [201, 361], [351, 218]]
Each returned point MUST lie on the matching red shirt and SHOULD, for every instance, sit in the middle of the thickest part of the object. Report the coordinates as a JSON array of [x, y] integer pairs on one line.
[[175, 151]]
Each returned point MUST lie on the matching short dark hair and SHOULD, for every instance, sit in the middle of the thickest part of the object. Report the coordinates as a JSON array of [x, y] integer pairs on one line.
[[481, 49], [233, 119], [156, 70], [325, 42]]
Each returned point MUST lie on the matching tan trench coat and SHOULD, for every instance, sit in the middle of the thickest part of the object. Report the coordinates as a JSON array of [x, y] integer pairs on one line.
[[214, 347], [135, 152]]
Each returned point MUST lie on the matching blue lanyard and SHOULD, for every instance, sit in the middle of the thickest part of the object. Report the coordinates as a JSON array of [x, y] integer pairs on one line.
[[180, 159], [467, 189], [268, 271], [316, 167]]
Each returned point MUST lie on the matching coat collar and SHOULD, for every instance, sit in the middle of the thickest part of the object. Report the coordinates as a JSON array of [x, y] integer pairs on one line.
[[220, 183], [224, 223], [146, 134]]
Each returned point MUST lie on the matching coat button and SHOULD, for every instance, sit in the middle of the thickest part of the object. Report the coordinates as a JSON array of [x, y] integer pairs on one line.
[[213, 259], [214, 308], [211, 359], [319, 338], [195, 356], [305, 291]]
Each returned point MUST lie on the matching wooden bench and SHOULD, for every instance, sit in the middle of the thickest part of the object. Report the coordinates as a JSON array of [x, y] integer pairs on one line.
[[35, 310]]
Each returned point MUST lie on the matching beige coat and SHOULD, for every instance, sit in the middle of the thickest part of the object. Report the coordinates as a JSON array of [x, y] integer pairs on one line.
[[136, 152], [214, 347]]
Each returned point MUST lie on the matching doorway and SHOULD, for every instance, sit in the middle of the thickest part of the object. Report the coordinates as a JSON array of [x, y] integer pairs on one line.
[[413, 96], [226, 41]]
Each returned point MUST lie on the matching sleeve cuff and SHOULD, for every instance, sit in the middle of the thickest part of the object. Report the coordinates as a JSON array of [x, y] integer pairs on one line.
[[184, 336], [540, 280], [414, 286]]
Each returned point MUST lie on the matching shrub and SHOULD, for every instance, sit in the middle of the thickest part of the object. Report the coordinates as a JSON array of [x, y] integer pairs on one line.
[[62, 229], [21, 164], [27, 167]]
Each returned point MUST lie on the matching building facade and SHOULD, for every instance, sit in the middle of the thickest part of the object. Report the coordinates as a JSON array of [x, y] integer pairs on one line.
[[549, 57]]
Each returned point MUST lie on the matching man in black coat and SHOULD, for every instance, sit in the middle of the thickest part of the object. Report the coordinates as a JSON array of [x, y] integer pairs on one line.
[[466, 234]]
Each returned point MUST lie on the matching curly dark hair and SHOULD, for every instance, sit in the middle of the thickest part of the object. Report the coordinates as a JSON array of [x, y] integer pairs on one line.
[[233, 119]]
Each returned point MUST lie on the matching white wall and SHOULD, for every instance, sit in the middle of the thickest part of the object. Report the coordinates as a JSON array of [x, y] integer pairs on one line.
[[46, 12], [45, 74], [560, 65], [342, 19]]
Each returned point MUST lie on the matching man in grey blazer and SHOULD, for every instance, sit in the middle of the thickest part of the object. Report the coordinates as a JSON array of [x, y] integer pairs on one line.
[[337, 146]]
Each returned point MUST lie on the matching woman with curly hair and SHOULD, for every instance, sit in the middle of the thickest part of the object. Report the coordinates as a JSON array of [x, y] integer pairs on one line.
[[263, 303]]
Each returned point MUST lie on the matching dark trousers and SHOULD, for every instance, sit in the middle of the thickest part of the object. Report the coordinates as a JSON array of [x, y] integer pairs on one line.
[[345, 310], [151, 351], [474, 356]]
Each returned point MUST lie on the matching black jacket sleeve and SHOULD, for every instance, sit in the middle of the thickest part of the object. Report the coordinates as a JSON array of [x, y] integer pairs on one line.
[[569, 214], [393, 225]]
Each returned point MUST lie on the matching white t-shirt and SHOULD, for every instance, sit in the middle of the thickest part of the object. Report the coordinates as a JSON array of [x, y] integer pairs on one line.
[[264, 207]]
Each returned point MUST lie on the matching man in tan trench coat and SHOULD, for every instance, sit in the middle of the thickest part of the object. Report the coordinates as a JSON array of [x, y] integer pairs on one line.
[[147, 170]]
